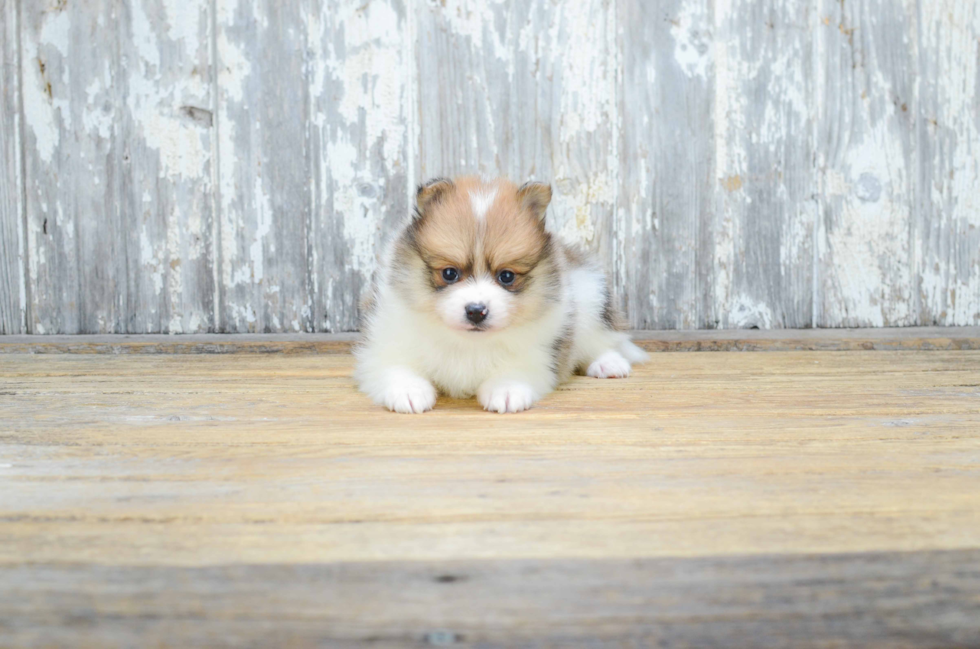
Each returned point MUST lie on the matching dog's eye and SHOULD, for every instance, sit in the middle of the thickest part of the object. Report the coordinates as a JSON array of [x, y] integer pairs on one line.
[[506, 277], [450, 275]]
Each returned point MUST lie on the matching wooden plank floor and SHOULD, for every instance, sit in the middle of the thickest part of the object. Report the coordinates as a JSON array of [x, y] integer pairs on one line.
[[728, 499]]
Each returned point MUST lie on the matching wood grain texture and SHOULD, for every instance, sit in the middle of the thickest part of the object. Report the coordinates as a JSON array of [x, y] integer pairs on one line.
[[197, 460], [948, 136], [314, 127], [901, 339], [363, 147], [118, 166], [866, 157], [13, 296], [236, 167], [666, 156], [822, 498], [264, 171], [526, 89], [756, 264], [904, 600]]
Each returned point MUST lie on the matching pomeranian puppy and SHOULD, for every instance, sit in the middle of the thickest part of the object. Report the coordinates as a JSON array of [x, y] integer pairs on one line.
[[477, 298]]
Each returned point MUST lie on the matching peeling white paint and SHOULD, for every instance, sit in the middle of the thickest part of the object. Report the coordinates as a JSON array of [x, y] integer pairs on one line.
[[263, 226], [233, 70], [181, 148], [184, 21], [151, 260], [746, 313], [360, 230], [950, 250], [475, 20], [42, 113], [361, 72], [541, 96], [368, 74], [145, 39], [586, 103], [96, 118], [153, 102], [56, 31], [691, 31], [573, 205], [869, 241]]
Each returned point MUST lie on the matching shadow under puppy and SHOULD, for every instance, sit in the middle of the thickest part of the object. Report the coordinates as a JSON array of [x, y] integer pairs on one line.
[[476, 297]]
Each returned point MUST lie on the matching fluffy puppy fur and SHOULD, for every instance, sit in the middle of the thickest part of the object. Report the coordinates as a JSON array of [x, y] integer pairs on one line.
[[477, 298]]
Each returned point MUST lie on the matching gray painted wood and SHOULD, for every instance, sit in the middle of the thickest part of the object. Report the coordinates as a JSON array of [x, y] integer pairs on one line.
[[526, 89], [77, 269], [118, 154], [666, 158], [784, 163], [314, 126], [874, 599], [756, 259], [947, 224], [866, 161], [13, 298], [264, 171], [362, 147]]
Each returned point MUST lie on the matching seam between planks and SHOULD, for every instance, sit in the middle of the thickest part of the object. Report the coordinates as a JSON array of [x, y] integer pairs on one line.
[[892, 339], [412, 146], [215, 171], [917, 194], [815, 90], [26, 292], [615, 232]]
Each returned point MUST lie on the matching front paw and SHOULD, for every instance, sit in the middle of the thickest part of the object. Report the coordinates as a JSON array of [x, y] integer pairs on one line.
[[506, 396], [409, 393], [610, 365]]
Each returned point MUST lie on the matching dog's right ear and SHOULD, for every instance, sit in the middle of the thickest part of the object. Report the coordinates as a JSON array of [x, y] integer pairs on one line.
[[430, 193]]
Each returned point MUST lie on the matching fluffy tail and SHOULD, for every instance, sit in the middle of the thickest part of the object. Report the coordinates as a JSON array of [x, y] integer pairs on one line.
[[633, 353]]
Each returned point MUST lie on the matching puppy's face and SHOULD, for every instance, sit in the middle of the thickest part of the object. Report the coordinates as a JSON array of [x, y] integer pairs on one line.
[[477, 255]]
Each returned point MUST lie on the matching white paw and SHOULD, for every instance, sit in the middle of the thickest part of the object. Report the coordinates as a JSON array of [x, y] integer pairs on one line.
[[506, 396], [407, 392], [610, 365]]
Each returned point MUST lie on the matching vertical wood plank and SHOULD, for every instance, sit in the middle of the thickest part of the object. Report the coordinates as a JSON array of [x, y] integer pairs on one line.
[[65, 178], [866, 157], [13, 298], [757, 258], [360, 74], [117, 165], [165, 164], [666, 157], [948, 196], [264, 168], [526, 89]]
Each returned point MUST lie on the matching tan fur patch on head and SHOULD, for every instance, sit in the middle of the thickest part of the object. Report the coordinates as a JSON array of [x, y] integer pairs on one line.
[[446, 233], [514, 237], [483, 226]]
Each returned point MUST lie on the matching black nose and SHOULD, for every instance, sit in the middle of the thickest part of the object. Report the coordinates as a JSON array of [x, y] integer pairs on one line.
[[476, 313]]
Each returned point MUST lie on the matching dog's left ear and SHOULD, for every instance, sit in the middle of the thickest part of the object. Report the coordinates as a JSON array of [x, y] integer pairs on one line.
[[431, 192], [535, 197]]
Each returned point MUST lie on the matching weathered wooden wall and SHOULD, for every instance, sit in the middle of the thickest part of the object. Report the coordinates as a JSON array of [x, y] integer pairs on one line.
[[218, 165]]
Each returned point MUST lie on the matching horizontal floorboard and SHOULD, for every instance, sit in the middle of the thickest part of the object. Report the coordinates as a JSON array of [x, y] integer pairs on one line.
[[914, 600], [896, 338]]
